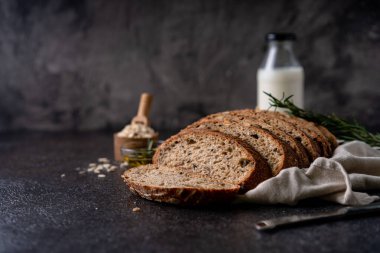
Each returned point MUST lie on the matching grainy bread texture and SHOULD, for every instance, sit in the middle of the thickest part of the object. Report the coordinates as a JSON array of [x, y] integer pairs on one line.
[[325, 140], [214, 155], [308, 127], [311, 147], [177, 186], [276, 153], [247, 121], [296, 146]]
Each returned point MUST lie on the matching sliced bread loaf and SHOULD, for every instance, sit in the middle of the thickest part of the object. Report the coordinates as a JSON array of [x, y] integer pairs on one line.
[[214, 155], [277, 153], [177, 185]]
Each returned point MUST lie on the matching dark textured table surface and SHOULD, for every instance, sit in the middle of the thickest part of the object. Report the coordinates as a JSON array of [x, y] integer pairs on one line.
[[40, 211]]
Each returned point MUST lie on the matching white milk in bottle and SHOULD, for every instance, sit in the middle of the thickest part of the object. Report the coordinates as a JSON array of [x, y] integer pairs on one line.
[[280, 74]]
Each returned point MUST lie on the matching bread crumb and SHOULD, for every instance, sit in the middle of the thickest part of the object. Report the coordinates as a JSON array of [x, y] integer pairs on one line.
[[136, 209]]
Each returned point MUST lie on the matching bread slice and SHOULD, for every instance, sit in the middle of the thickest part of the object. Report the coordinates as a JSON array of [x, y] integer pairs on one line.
[[177, 186], [277, 153], [214, 155], [313, 151]]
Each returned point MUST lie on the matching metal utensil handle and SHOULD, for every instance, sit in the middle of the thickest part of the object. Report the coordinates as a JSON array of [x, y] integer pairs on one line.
[[273, 223]]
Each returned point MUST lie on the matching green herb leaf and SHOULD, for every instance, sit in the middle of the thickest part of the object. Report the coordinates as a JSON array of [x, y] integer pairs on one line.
[[150, 144], [341, 128]]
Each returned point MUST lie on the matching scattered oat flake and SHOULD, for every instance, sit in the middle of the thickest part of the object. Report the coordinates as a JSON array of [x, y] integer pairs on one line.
[[111, 169], [103, 160], [63, 175], [101, 167], [136, 209]]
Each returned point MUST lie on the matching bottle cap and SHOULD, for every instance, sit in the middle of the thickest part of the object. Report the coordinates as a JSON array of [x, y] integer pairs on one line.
[[280, 36]]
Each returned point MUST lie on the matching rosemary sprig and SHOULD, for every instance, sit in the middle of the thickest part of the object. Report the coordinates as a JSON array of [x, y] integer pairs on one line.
[[341, 128], [150, 144]]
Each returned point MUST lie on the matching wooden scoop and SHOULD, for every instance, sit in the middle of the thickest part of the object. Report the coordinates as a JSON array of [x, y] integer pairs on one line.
[[143, 111], [141, 118]]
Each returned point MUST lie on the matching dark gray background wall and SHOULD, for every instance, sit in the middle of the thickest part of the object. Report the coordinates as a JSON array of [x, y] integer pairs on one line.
[[76, 64]]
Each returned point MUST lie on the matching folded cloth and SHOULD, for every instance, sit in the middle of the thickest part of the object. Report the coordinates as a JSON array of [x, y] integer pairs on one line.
[[354, 167]]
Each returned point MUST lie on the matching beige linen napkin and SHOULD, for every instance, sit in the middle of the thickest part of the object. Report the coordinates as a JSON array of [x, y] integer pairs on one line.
[[354, 167]]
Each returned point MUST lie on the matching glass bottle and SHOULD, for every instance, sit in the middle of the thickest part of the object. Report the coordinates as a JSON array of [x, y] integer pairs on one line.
[[280, 73]]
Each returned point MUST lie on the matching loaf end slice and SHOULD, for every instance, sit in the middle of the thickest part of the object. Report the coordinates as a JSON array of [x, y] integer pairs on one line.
[[177, 186]]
